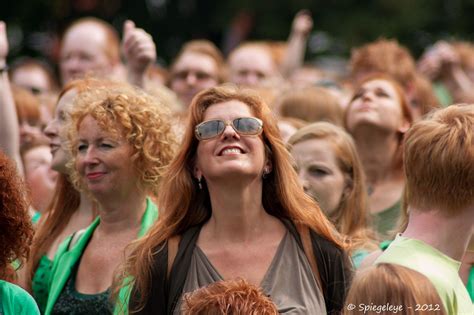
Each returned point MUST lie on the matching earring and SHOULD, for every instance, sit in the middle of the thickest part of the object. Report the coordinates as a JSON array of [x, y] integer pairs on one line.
[[265, 173], [199, 183]]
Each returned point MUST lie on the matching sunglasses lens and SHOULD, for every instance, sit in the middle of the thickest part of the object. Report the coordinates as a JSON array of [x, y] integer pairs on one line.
[[210, 129], [247, 125]]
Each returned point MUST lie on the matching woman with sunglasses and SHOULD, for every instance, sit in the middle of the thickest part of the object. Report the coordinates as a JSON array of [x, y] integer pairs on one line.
[[240, 213]]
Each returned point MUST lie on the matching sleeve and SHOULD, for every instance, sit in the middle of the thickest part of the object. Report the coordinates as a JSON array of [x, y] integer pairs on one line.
[[335, 270]]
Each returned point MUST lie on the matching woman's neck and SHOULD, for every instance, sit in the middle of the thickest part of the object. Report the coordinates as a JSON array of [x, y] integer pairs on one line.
[[377, 149], [237, 211], [439, 231], [122, 214]]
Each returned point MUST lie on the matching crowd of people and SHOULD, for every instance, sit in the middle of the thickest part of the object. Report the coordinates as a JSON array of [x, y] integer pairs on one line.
[[252, 183]]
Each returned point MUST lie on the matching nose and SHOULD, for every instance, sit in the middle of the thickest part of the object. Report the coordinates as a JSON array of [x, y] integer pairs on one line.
[[229, 132], [303, 180], [367, 95], [252, 79], [51, 131], [90, 157], [191, 79]]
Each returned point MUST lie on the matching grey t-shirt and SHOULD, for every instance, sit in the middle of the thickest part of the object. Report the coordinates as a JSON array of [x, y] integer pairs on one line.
[[289, 281]]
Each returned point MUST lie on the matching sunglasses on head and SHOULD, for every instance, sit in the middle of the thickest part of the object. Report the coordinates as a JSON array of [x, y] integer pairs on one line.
[[248, 126]]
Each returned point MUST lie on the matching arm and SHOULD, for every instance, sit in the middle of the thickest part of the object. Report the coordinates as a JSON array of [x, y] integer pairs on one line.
[[139, 51], [9, 128], [302, 25]]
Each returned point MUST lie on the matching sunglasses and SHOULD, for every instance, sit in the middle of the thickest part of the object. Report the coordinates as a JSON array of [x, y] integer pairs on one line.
[[248, 126]]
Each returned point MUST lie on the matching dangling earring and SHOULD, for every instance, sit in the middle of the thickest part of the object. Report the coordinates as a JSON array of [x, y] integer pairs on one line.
[[265, 173], [199, 183]]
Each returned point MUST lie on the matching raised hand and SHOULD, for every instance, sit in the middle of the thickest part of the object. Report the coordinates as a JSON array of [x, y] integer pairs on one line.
[[302, 23], [3, 44], [138, 48]]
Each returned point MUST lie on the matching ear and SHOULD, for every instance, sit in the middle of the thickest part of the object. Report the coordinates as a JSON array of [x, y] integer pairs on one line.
[[347, 187], [268, 165], [197, 173], [404, 126]]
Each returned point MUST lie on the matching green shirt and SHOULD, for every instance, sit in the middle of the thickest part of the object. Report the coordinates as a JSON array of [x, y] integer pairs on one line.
[[16, 301], [39, 283], [69, 252], [386, 220], [441, 270], [470, 284]]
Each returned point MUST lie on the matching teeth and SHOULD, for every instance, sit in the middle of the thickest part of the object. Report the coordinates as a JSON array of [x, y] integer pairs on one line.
[[231, 151]]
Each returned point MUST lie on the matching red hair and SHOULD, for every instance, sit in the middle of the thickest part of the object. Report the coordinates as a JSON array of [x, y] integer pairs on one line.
[[236, 297], [282, 195], [16, 231]]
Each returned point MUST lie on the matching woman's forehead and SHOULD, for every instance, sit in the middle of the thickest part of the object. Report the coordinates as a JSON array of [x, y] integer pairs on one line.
[[228, 110]]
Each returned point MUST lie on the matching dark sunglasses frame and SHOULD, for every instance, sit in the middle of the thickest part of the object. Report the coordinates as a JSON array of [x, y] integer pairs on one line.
[[228, 123]]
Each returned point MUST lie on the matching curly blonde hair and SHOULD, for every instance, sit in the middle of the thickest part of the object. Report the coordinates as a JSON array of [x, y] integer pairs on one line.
[[125, 111]]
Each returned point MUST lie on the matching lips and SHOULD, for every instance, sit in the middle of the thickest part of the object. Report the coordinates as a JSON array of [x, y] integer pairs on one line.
[[53, 147], [94, 175], [231, 150]]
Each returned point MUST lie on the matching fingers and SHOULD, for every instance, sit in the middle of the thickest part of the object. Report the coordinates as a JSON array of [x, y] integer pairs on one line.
[[138, 47], [3, 42], [303, 22]]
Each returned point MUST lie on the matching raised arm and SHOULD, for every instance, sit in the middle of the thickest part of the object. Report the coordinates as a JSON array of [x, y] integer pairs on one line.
[[139, 51], [9, 128], [301, 27]]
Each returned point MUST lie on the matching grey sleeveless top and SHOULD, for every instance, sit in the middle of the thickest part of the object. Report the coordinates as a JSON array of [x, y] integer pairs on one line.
[[289, 281]]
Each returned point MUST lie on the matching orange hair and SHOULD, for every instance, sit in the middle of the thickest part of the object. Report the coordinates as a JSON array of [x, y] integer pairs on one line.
[[230, 297], [352, 216], [203, 47], [386, 56], [27, 105], [402, 287], [403, 104], [16, 230], [28, 63], [311, 104], [275, 50], [112, 39], [65, 201], [439, 160], [282, 195]]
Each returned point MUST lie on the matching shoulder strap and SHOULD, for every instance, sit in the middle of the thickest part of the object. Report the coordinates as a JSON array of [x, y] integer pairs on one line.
[[75, 237], [173, 243], [309, 252]]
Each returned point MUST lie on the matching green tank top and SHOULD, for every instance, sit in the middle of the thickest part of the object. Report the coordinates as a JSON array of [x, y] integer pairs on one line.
[[40, 282], [70, 301], [470, 284]]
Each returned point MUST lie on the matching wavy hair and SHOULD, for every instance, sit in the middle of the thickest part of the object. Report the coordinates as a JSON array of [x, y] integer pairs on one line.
[[282, 195], [16, 231], [394, 284], [405, 107], [439, 160], [228, 297], [127, 112], [66, 198], [351, 216]]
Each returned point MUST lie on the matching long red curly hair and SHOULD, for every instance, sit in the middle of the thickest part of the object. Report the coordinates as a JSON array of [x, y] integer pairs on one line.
[[16, 230], [282, 195]]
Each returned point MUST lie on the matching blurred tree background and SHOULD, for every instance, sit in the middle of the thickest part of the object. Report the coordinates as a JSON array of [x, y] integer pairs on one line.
[[35, 26]]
